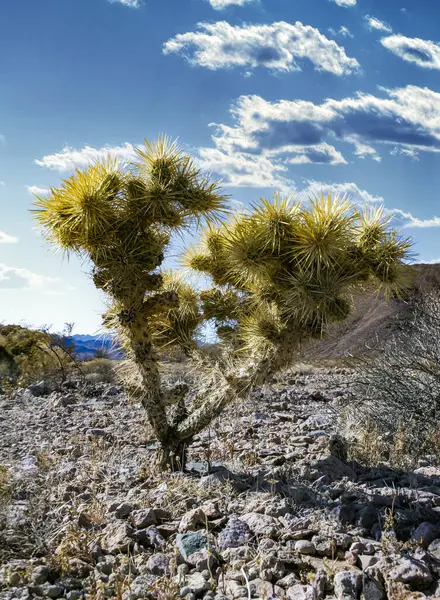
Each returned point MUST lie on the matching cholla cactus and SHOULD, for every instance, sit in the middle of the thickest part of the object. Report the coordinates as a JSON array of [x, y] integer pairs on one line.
[[280, 274]]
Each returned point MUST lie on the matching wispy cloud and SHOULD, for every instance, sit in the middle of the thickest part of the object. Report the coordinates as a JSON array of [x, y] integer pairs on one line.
[[423, 53], [222, 4], [70, 158], [37, 190], [279, 47], [129, 3], [374, 23], [345, 3], [18, 278], [5, 238]]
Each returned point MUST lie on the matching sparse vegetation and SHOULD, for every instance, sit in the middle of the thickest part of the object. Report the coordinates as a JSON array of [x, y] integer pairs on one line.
[[395, 410], [280, 274]]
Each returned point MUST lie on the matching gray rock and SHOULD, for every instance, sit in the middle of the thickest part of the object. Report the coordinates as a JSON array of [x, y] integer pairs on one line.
[[425, 534], [412, 572], [192, 520], [142, 518], [124, 510], [158, 564], [67, 400], [151, 537], [190, 543], [140, 586], [96, 432], [347, 585], [39, 389], [323, 545], [196, 584], [204, 559], [366, 560], [372, 588], [288, 581], [117, 538], [367, 517], [235, 534], [300, 592], [40, 575], [74, 595], [305, 547], [260, 524], [434, 548], [344, 513]]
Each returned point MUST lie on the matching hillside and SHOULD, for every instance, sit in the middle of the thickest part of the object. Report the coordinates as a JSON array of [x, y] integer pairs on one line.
[[373, 320]]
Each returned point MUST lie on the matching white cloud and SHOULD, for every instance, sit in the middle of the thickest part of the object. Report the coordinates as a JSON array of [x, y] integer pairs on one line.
[[69, 158], [37, 190], [18, 278], [357, 195], [406, 119], [423, 53], [129, 3], [346, 3], [280, 47], [244, 169], [374, 23], [409, 221], [222, 4], [7, 239]]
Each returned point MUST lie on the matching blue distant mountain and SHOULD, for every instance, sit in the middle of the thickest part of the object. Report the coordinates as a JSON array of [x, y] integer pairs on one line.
[[86, 346]]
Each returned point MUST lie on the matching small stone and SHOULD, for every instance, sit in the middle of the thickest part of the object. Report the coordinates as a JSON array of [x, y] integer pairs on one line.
[[323, 545], [344, 513], [367, 517], [150, 537], [54, 591], [190, 543], [300, 592], [183, 570], [235, 534], [124, 510], [14, 579], [117, 538], [203, 559], [351, 558], [288, 581], [39, 389], [74, 595], [425, 534], [96, 432], [412, 572], [196, 584], [357, 548], [434, 548], [305, 547], [260, 524], [211, 510], [40, 575], [372, 588], [158, 564], [347, 585], [192, 520], [365, 560], [67, 400], [143, 517]]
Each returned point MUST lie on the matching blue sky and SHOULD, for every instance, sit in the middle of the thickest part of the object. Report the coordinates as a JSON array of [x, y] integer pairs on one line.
[[297, 95]]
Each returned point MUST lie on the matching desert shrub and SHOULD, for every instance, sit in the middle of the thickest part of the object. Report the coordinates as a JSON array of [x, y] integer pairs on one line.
[[99, 370], [394, 412]]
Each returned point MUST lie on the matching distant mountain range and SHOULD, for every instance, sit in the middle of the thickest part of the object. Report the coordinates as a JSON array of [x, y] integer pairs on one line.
[[86, 346]]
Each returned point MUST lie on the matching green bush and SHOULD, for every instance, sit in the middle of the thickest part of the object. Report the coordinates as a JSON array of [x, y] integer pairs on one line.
[[99, 370]]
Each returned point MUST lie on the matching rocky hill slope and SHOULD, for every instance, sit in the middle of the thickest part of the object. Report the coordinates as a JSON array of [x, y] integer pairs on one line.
[[373, 320]]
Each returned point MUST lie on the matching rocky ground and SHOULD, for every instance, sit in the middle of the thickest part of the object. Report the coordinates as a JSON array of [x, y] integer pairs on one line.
[[281, 514]]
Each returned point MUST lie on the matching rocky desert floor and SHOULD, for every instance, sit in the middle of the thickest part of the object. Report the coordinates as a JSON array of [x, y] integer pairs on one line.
[[281, 513]]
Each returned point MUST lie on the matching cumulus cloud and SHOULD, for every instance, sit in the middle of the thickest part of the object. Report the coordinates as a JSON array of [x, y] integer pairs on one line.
[[18, 278], [70, 158], [37, 190], [407, 118], [5, 238], [409, 221], [129, 3], [374, 23], [244, 169], [222, 4], [346, 3], [279, 47], [423, 53], [349, 189]]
